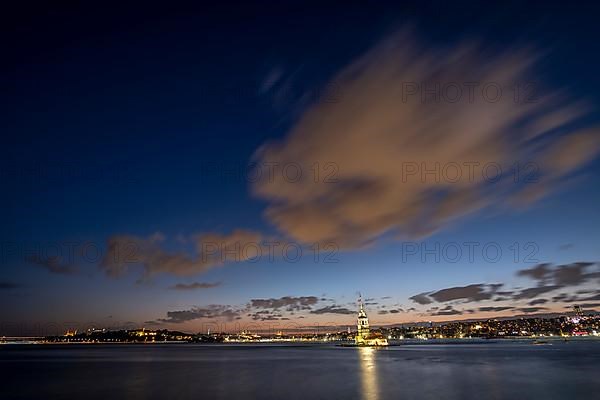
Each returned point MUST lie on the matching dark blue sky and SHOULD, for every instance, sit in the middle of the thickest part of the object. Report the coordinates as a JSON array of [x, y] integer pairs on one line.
[[126, 120]]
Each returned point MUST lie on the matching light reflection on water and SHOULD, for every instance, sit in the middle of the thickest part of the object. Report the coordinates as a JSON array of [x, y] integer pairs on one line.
[[433, 371], [368, 373]]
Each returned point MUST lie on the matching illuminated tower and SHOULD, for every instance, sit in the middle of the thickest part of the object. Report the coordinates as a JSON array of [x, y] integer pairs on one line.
[[364, 337], [362, 323]]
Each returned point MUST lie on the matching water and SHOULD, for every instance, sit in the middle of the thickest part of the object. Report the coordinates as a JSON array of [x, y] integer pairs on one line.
[[500, 370]]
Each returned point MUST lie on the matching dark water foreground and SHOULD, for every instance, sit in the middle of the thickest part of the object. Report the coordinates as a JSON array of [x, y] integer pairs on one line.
[[500, 370]]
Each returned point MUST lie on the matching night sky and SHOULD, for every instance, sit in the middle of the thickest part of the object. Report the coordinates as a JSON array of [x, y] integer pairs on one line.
[[139, 143]]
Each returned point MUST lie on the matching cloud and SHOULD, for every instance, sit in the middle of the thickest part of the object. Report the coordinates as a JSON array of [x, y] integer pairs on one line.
[[589, 305], [537, 302], [494, 309], [422, 298], [209, 312], [540, 272], [531, 309], [574, 274], [449, 310], [150, 252], [475, 292], [565, 298], [271, 79], [333, 309], [594, 297], [548, 277], [530, 293], [289, 303], [273, 309], [560, 297], [195, 285], [362, 144], [571, 152], [267, 315], [554, 277], [52, 265], [9, 286]]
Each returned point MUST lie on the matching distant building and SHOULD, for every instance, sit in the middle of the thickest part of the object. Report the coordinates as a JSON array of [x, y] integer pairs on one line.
[[364, 336]]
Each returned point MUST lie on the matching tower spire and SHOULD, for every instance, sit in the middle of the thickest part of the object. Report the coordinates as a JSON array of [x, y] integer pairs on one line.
[[360, 302], [364, 337]]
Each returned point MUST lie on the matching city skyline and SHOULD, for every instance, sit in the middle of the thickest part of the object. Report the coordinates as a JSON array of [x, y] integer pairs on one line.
[[266, 179]]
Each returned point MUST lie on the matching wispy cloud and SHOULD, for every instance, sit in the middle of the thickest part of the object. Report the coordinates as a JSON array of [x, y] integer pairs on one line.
[[476, 292], [495, 309], [8, 285], [195, 286], [575, 278], [532, 309], [562, 275], [379, 126], [52, 265], [333, 309], [125, 251], [448, 310], [271, 309], [214, 311], [289, 303]]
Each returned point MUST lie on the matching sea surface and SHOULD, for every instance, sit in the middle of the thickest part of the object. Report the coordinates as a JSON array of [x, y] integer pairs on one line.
[[424, 370]]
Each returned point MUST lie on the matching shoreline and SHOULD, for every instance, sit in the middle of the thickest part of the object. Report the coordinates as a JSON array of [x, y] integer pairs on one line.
[[395, 343]]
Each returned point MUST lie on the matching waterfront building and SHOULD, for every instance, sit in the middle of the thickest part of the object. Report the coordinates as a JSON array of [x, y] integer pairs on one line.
[[364, 336]]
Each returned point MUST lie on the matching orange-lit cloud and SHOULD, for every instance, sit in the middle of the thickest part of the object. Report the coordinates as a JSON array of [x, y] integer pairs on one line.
[[125, 251], [399, 109]]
